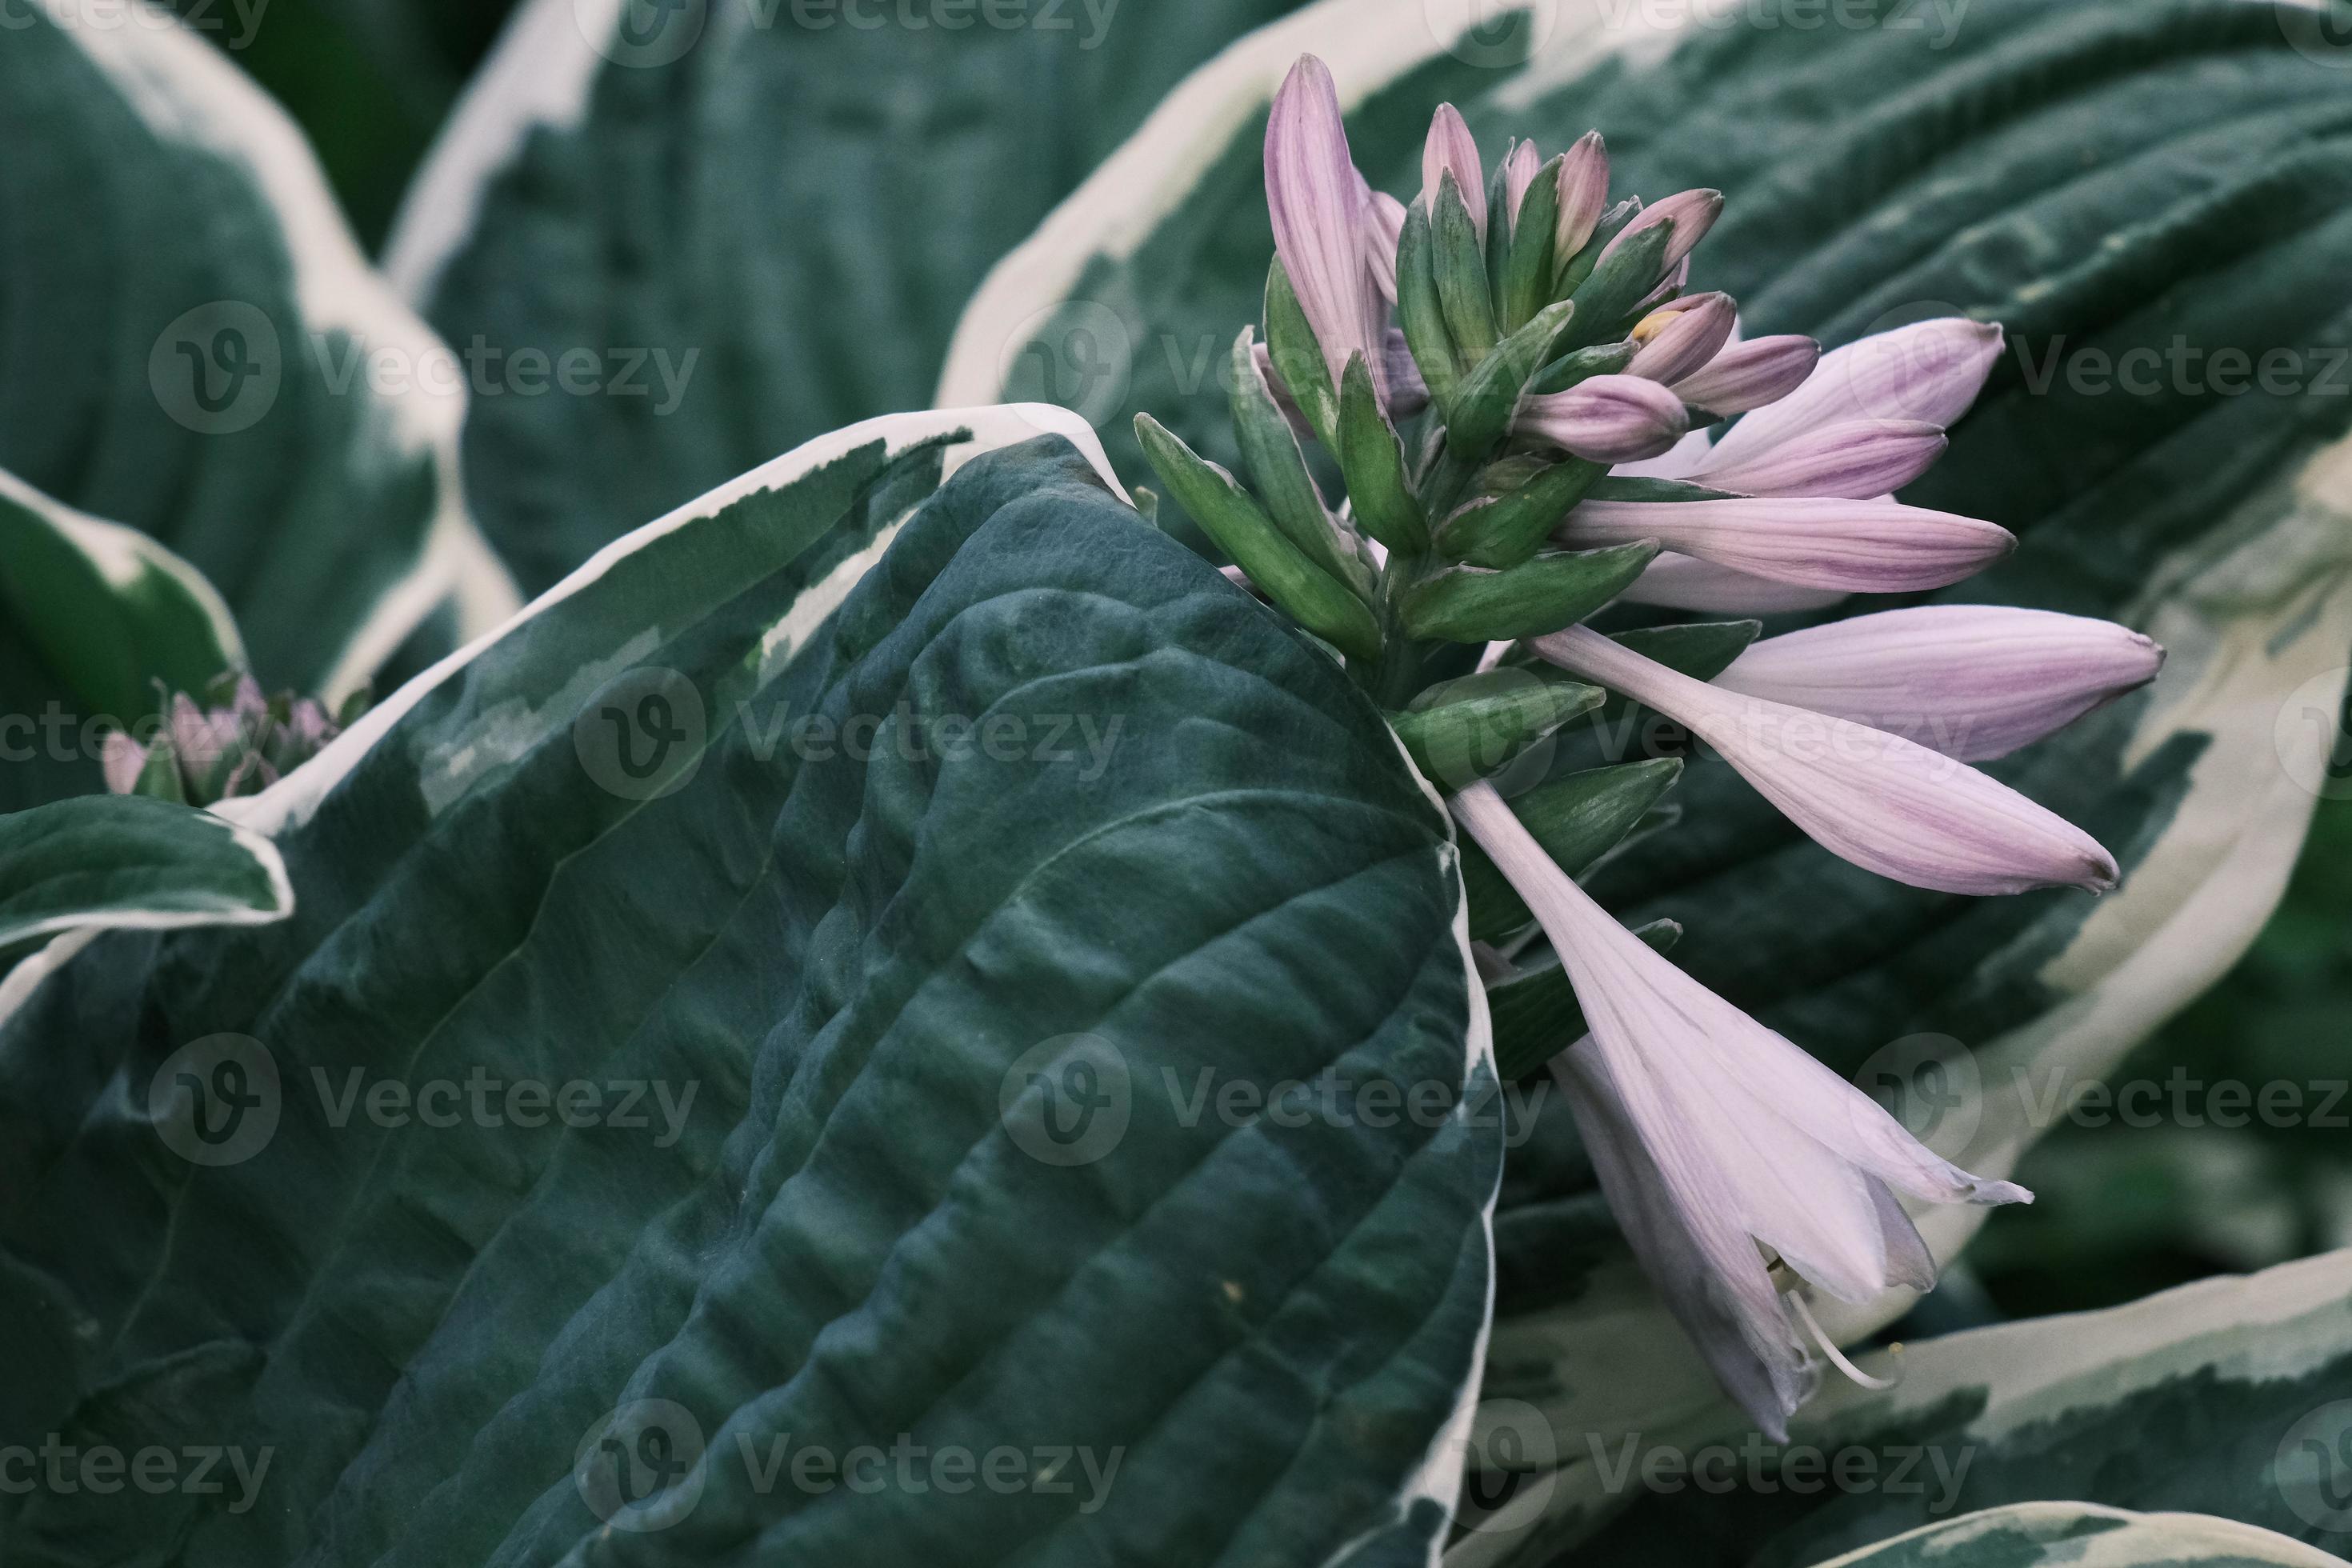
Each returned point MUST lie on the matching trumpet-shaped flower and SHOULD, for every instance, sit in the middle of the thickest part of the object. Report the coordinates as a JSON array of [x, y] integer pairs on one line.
[[1972, 681], [1718, 1134], [1888, 804]]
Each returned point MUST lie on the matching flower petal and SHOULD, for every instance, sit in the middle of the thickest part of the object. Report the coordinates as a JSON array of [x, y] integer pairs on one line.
[[121, 760], [1683, 337], [1316, 199], [1520, 166], [1381, 235], [1972, 681], [1888, 804], [1750, 375], [1607, 418], [1930, 372], [1859, 460], [1850, 546], [1686, 582], [1693, 213], [1583, 195], [1705, 1268], [1451, 148]]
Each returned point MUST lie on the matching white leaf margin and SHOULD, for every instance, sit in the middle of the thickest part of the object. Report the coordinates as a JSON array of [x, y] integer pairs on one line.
[[187, 92], [539, 73], [2120, 1539]]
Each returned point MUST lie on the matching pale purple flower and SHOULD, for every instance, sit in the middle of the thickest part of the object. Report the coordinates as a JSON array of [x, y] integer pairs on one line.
[[1679, 339], [1323, 221], [1859, 460], [1848, 546], [1693, 213], [1749, 374], [1381, 235], [1972, 681], [1451, 150], [121, 761], [1520, 166], [1716, 1135], [1888, 804], [1686, 582], [1583, 195], [1607, 418], [1929, 372]]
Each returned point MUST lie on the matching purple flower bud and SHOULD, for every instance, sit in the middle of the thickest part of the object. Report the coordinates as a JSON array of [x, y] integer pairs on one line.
[[1520, 166], [1583, 194], [1929, 372], [1315, 198], [1750, 375], [1859, 460], [1850, 546], [1693, 212], [1888, 804], [1451, 151], [1972, 681], [1680, 338], [1608, 418]]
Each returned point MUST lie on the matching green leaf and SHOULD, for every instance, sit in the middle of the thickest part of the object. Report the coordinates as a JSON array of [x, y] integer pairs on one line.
[[101, 615], [1601, 359], [212, 362], [1458, 258], [1554, 590], [1526, 279], [1380, 495], [1298, 356], [1313, 598], [1278, 469], [1459, 732], [1483, 404], [1578, 819], [879, 965], [764, 221], [119, 860], [1505, 530], [2046, 1534], [1619, 486], [2226, 1398], [1421, 310], [1536, 1013], [1605, 303]]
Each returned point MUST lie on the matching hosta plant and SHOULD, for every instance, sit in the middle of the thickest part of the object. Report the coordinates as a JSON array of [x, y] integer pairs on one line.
[[1296, 965]]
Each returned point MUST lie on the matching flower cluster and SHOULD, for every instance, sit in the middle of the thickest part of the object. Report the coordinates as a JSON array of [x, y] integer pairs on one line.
[[238, 742], [1571, 453]]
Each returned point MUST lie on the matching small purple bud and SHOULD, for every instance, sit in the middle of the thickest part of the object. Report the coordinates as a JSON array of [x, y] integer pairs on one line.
[[1608, 418]]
